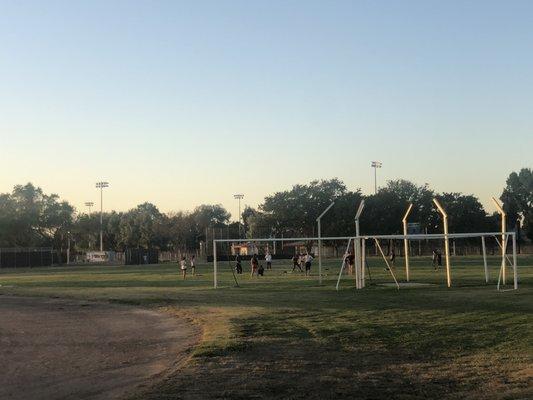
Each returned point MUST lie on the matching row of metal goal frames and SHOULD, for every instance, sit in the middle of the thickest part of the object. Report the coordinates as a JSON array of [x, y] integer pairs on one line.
[[359, 244]]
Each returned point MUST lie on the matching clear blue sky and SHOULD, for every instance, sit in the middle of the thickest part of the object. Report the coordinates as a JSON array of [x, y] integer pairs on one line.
[[182, 103]]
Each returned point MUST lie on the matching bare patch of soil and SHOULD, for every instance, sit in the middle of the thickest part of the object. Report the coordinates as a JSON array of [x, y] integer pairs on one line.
[[59, 349]]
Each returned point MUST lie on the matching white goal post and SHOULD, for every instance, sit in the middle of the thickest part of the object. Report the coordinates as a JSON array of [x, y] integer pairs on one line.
[[359, 244]]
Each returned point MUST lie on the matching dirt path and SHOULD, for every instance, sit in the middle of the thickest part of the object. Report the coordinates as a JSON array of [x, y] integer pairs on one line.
[[62, 349]]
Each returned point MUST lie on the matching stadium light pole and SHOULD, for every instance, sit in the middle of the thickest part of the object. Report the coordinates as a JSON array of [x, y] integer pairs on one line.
[[89, 204], [68, 247], [101, 186], [320, 241], [376, 165], [239, 197]]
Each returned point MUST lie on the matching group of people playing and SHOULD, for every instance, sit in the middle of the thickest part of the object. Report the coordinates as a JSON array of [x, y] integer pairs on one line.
[[256, 268], [302, 260], [299, 261]]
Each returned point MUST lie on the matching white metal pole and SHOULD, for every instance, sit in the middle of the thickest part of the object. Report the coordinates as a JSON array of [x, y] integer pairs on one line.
[[484, 248], [319, 254], [357, 264], [515, 272], [357, 246], [357, 261], [504, 248], [447, 250], [446, 242], [502, 213], [343, 264], [68, 248], [101, 218], [215, 281], [363, 260], [406, 241], [375, 180], [318, 220]]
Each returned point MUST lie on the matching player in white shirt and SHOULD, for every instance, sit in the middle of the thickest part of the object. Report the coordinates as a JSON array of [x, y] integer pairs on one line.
[[268, 259], [308, 259], [193, 264], [183, 267]]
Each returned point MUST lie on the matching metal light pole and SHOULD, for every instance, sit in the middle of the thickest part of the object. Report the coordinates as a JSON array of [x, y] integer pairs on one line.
[[101, 186], [89, 204], [239, 197], [320, 242], [68, 248], [376, 165]]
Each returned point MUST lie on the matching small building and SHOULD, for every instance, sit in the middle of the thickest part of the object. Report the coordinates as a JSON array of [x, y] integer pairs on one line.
[[244, 249]]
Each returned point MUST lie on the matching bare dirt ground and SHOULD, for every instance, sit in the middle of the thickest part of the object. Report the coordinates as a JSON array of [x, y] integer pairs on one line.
[[66, 349]]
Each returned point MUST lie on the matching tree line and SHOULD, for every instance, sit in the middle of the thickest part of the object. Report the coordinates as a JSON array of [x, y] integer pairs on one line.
[[31, 218]]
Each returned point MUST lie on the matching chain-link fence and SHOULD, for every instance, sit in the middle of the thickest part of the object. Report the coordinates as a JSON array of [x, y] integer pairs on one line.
[[28, 257]]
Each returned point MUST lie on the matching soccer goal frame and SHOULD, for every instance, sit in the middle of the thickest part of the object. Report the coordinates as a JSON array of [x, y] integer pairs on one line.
[[446, 237], [359, 243], [318, 240]]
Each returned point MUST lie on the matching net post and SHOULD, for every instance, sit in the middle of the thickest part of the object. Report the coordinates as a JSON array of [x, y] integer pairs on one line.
[[484, 248], [357, 264], [515, 269], [446, 242], [215, 281], [406, 241], [363, 260], [320, 241], [504, 228], [319, 253], [343, 265]]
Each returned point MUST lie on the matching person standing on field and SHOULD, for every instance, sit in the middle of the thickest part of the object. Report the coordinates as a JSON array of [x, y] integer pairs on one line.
[[268, 259], [255, 264], [183, 266], [238, 265], [296, 263], [308, 260], [193, 265], [348, 262]]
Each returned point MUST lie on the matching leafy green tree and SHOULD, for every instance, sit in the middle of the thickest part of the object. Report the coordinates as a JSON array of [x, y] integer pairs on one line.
[[29, 217], [294, 212], [384, 210], [517, 198], [465, 214]]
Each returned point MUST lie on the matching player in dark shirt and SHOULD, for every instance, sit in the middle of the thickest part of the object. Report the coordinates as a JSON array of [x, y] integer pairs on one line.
[[296, 263]]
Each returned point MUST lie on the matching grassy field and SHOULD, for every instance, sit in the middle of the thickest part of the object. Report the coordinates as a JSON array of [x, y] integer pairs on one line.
[[284, 336]]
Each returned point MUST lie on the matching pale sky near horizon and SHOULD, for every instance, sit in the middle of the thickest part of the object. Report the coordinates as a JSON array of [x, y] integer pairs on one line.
[[184, 103]]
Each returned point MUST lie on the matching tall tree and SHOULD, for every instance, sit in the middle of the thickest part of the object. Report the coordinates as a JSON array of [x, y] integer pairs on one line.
[[517, 198], [294, 211]]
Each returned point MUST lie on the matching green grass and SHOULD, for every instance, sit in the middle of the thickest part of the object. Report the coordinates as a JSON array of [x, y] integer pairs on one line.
[[284, 336]]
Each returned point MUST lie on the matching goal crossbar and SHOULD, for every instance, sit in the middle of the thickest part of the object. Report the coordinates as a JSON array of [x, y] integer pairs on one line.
[[408, 237]]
